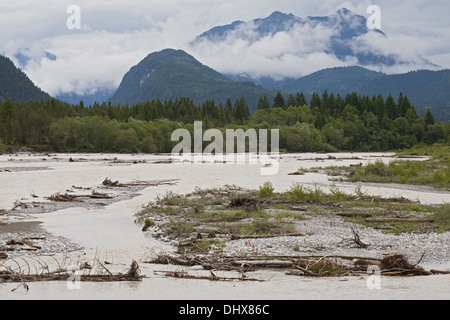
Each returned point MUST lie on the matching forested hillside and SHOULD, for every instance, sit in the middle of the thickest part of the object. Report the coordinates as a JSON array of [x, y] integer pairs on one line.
[[174, 73], [424, 88], [15, 85], [327, 122]]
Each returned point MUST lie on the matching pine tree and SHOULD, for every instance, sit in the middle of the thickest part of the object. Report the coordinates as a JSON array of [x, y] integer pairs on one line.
[[263, 103], [278, 101], [300, 100], [429, 118], [229, 111], [292, 102], [315, 100], [380, 107], [391, 107]]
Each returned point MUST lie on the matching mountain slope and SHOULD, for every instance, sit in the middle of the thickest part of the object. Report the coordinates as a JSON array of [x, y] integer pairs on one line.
[[424, 88], [174, 73], [340, 80], [15, 85]]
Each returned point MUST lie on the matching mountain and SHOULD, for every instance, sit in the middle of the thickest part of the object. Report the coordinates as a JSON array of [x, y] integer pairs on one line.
[[174, 73], [341, 80], [424, 88], [24, 57], [292, 46], [15, 85]]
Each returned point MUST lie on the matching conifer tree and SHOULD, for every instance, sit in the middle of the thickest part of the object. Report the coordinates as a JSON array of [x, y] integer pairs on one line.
[[278, 101]]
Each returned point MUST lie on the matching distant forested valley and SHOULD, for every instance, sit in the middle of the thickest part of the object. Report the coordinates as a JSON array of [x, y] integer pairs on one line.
[[326, 122]]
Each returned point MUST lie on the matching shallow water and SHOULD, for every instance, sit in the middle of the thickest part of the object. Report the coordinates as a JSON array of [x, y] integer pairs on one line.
[[110, 232]]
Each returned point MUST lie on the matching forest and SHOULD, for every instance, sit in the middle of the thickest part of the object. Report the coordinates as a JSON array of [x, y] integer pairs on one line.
[[326, 122]]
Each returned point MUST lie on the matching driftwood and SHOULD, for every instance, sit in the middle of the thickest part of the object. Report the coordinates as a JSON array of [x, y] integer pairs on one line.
[[309, 266], [412, 220], [211, 277], [398, 265], [8, 275], [58, 197], [237, 237], [353, 215], [356, 240], [439, 271], [247, 203], [115, 184]]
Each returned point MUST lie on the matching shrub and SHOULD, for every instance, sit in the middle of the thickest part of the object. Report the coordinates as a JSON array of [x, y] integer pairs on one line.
[[442, 215], [3, 148], [299, 193], [379, 168], [266, 190]]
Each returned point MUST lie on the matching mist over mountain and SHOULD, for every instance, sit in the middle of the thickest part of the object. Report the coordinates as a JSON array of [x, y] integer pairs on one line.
[[25, 57], [281, 52], [286, 46], [101, 95]]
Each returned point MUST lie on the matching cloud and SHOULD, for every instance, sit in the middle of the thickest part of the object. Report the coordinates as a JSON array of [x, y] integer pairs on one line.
[[92, 61], [294, 53], [117, 34]]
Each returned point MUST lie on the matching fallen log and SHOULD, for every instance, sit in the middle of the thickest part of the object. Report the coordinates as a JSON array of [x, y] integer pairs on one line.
[[238, 237], [439, 272], [8, 276], [212, 277], [353, 215], [412, 220]]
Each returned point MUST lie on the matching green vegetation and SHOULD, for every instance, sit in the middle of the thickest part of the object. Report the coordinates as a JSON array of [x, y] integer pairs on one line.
[[434, 172], [328, 123], [2, 147], [338, 80], [206, 219], [442, 216], [300, 193], [266, 190], [427, 89]]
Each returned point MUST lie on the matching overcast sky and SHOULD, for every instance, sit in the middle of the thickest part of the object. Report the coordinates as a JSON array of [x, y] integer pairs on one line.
[[116, 34]]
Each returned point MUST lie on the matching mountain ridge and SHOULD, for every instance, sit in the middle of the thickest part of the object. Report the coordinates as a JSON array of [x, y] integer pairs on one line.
[[174, 73], [425, 88], [15, 84]]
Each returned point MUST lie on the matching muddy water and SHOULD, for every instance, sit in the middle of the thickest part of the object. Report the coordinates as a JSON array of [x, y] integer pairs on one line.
[[110, 232]]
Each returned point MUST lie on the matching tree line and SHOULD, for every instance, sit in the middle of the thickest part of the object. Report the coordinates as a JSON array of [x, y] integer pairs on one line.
[[324, 123]]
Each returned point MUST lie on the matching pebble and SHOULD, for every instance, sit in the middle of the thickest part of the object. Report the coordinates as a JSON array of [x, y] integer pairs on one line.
[[325, 238]]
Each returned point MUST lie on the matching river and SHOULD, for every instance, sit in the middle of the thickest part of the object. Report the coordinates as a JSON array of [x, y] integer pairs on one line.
[[110, 232]]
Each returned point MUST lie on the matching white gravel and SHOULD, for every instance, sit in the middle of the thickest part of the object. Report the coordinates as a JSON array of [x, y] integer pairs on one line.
[[326, 236]]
